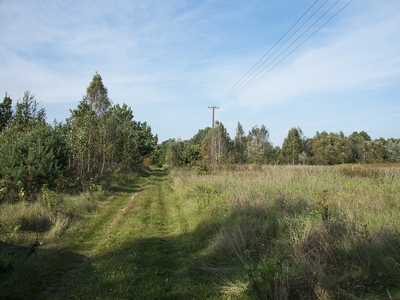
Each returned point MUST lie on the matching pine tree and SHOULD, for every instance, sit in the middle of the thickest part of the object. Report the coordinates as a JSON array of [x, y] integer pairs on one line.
[[5, 112]]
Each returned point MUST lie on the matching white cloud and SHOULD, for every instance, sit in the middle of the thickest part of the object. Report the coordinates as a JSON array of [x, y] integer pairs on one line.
[[363, 55], [164, 56]]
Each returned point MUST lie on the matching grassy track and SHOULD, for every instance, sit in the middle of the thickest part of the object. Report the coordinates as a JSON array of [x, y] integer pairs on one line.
[[136, 249]]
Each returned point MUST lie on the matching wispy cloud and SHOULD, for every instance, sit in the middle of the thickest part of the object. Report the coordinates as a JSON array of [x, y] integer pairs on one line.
[[360, 54], [169, 60]]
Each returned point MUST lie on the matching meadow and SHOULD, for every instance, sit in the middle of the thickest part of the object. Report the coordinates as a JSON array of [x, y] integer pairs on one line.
[[235, 232], [299, 232]]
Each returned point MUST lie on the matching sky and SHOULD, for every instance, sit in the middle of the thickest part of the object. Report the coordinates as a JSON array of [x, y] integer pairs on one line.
[[337, 69]]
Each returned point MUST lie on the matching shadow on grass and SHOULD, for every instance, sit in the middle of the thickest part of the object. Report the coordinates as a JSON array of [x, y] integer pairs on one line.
[[251, 252], [247, 254], [38, 275]]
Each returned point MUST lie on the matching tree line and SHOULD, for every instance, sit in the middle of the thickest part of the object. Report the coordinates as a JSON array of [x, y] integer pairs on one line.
[[216, 146], [99, 139]]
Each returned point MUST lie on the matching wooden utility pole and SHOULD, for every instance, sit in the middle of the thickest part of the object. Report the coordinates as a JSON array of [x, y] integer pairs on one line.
[[213, 113], [213, 157]]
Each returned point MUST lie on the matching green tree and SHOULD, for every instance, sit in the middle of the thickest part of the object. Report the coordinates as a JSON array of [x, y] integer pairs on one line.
[[160, 153], [293, 146], [27, 113], [257, 144], [393, 150], [198, 138], [37, 157], [5, 112], [122, 129], [216, 144], [81, 138], [97, 96], [98, 100], [174, 155], [191, 153], [239, 145], [329, 148], [144, 140]]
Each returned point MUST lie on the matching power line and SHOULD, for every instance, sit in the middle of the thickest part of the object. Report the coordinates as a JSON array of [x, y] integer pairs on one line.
[[250, 72], [267, 52], [249, 83], [296, 47], [242, 85], [203, 118]]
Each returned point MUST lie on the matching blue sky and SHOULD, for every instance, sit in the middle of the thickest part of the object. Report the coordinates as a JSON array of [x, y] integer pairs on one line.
[[170, 60]]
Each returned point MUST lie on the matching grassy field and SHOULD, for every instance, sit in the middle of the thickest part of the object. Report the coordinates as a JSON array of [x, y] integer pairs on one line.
[[240, 232], [302, 232]]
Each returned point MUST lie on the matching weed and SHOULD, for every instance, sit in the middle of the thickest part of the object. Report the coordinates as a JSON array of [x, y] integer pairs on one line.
[[50, 198]]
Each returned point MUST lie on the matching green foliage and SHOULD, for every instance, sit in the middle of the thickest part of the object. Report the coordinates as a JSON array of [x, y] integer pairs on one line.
[[216, 145], [292, 147], [27, 113], [50, 198], [202, 167], [30, 160], [160, 153], [393, 150], [5, 112], [239, 145], [191, 154], [12, 172], [97, 96], [198, 138], [257, 143], [329, 149], [103, 138]]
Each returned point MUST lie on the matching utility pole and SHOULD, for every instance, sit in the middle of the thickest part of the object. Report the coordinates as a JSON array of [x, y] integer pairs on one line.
[[213, 113], [213, 157]]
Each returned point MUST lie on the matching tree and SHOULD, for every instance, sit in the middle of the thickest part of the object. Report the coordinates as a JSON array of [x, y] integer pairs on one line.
[[123, 149], [393, 150], [81, 138], [257, 143], [191, 154], [329, 148], [174, 155], [5, 112], [293, 146], [97, 96], [200, 136], [239, 145], [36, 158], [215, 146], [27, 113], [160, 153]]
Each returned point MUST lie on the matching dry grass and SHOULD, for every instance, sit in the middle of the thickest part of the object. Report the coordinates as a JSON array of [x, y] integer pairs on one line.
[[304, 232], [51, 214]]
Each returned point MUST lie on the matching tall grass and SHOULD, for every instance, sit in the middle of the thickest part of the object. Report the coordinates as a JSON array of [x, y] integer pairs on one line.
[[289, 232], [50, 214]]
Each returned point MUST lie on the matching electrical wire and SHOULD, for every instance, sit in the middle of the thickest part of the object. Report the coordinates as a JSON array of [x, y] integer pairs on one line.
[[245, 75], [297, 47], [242, 85]]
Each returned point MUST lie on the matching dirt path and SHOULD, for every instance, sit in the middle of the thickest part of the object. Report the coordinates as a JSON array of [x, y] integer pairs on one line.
[[94, 231], [137, 247]]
